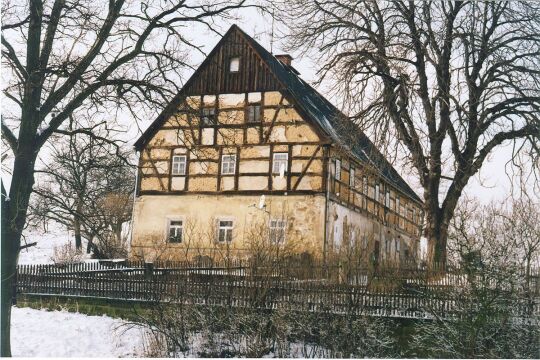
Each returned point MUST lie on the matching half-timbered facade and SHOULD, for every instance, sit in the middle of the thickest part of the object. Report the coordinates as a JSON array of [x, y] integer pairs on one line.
[[247, 151]]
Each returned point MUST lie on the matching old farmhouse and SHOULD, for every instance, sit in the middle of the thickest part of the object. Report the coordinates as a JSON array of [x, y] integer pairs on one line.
[[248, 154]]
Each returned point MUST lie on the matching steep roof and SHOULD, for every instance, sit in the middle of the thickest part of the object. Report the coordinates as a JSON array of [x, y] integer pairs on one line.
[[327, 117]]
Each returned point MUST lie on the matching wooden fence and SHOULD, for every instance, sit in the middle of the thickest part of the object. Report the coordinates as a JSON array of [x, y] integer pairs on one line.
[[409, 292]]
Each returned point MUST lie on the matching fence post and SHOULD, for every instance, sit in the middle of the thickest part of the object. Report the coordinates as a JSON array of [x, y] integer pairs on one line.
[[148, 270]]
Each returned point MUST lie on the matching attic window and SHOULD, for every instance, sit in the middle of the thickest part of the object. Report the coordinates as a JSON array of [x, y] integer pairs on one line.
[[234, 65]]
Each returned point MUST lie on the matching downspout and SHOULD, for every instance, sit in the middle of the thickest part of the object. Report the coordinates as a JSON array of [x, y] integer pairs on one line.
[[326, 204], [135, 194]]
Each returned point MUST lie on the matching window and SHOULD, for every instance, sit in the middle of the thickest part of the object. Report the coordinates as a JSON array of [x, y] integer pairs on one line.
[[397, 205], [225, 228], [277, 231], [208, 116], [279, 163], [377, 192], [338, 170], [228, 164], [398, 246], [365, 184], [387, 199], [234, 65], [179, 165], [175, 231], [254, 113], [352, 178]]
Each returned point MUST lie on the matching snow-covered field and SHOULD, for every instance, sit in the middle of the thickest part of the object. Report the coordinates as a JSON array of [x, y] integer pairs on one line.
[[43, 252], [41, 333]]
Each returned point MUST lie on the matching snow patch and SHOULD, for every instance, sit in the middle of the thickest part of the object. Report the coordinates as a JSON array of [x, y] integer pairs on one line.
[[43, 251], [41, 333]]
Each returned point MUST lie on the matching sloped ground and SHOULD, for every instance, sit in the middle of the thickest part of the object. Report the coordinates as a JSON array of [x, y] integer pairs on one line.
[[43, 251]]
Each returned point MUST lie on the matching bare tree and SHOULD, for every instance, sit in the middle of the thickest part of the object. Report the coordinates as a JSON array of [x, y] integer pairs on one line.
[[72, 57], [87, 186], [488, 320], [443, 82]]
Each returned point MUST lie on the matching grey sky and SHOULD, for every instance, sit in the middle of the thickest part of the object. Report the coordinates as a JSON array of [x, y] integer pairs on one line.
[[491, 183]]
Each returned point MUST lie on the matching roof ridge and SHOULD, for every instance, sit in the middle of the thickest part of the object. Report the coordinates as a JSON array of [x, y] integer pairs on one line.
[[391, 174]]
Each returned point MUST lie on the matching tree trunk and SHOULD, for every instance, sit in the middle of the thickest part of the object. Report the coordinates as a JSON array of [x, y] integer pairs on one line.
[[14, 209], [437, 236], [77, 227]]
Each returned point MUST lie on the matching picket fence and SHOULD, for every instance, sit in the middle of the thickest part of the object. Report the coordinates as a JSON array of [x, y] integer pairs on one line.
[[409, 292]]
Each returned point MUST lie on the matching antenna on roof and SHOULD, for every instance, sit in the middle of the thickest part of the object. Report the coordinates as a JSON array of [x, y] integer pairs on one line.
[[272, 35]]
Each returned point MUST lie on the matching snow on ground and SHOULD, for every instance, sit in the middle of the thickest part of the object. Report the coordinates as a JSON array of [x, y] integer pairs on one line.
[[41, 333], [43, 252]]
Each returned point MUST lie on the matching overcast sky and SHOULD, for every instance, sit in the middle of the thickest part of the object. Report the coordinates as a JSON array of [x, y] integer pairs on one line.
[[491, 183]]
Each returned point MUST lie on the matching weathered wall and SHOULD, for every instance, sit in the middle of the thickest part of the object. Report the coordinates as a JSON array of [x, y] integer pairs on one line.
[[397, 210], [281, 130], [349, 228], [304, 215]]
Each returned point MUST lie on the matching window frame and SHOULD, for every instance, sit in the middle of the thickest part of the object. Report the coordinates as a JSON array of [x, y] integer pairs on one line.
[[231, 60], [274, 162], [223, 162], [170, 226], [337, 169], [203, 116], [228, 229], [365, 186], [377, 195], [352, 177], [257, 116], [173, 165], [387, 199], [278, 226]]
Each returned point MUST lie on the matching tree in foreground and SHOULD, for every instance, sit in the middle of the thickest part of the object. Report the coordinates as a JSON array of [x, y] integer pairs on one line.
[[445, 83], [65, 58]]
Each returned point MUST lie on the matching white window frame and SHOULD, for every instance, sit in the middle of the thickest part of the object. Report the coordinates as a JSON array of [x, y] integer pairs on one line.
[[337, 170], [170, 226], [352, 179], [177, 165], [234, 64], [278, 232], [276, 162], [226, 229], [387, 199], [228, 164], [377, 196]]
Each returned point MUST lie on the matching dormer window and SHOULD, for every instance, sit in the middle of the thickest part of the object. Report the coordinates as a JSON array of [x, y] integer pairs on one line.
[[234, 65]]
